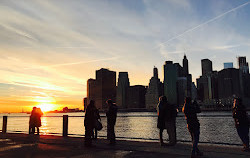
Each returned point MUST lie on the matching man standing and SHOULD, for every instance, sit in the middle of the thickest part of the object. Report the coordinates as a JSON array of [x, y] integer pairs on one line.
[[111, 120], [190, 110]]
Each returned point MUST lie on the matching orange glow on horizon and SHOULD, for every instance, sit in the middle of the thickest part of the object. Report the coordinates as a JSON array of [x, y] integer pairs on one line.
[[45, 107]]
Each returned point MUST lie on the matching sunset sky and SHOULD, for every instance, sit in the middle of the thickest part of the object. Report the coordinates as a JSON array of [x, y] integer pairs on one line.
[[48, 49]]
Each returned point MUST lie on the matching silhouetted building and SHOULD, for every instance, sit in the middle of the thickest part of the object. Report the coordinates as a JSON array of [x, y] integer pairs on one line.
[[154, 91], [243, 65], [185, 65], [170, 82], [206, 66], [85, 103], [229, 84], [181, 90], [193, 91], [207, 86], [122, 90], [102, 88], [228, 65], [202, 88], [246, 85], [91, 90], [136, 97]]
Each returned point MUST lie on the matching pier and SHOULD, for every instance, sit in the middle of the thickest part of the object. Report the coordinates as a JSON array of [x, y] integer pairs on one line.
[[43, 146]]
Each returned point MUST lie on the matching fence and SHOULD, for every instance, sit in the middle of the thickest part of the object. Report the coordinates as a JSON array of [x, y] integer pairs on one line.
[[65, 128]]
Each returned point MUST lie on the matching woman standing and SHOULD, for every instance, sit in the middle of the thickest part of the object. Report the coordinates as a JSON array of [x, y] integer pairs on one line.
[[241, 122], [190, 110], [166, 120], [35, 120]]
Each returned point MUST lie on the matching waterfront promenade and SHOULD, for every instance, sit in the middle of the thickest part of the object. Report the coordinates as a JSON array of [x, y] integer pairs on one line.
[[29, 146]]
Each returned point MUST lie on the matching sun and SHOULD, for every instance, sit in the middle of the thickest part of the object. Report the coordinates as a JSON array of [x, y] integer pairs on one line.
[[45, 107], [46, 103]]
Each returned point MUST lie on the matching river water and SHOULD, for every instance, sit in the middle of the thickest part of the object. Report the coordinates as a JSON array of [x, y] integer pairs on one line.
[[216, 127]]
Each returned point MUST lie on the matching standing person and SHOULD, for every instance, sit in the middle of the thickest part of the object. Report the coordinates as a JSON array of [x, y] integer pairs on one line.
[[166, 120], [32, 121], [97, 116], [111, 120], [89, 123], [241, 122], [35, 120], [190, 110], [38, 122]]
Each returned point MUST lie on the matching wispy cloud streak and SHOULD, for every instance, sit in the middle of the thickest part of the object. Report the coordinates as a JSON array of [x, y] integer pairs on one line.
[[75, 63], [202, 24], [18, 32]]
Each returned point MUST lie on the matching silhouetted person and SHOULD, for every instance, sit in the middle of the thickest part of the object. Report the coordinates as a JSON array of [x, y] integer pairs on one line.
[[89, 122], [241, 122], [166, 120], [94, 133], [190, 110], [35, 120], [111, 120]]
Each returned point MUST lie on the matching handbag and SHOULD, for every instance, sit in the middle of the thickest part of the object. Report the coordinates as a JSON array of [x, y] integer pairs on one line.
[[98, 125]]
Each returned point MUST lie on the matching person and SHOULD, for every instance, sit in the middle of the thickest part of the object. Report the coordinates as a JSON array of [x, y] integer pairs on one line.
[[32, 121], [111, 120], [166, 120], [89, 122], [97, 116], [241, 122], [35, 120], [190, 110], [39, 114]]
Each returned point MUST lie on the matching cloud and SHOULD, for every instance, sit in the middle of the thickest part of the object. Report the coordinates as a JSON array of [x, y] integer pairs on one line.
[[206, 22], [53, 47]]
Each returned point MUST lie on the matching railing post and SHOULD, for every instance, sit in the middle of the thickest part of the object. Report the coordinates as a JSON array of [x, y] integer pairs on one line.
[[65, 125], [4, 129]]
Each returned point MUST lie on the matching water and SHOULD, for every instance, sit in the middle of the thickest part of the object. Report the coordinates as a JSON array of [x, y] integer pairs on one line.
[[216, 127]]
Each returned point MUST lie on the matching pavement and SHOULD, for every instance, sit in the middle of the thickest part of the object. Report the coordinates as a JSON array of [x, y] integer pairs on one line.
[[46, 146]]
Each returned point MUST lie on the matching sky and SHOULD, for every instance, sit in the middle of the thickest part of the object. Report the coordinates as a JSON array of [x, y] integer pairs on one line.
[[49, 49]]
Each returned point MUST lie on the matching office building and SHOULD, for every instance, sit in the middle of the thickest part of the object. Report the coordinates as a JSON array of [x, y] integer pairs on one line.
[[122, 90], [170, 82], [206, 66], [229, 83], [102, 88], [185, 65], [154, 91], [228, 65], [136, 97], [243, 65]]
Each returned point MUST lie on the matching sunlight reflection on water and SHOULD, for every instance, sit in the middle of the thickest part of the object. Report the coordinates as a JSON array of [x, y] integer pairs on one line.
[[213, 129]]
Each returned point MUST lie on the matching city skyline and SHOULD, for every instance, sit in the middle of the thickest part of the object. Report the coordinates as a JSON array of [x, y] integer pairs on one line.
[[48, 49]]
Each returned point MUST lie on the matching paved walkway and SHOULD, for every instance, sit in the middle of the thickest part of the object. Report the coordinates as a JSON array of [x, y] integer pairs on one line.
[[23, 145]]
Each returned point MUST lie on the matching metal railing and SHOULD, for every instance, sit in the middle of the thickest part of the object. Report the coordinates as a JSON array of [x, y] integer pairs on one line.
[[66, 134]]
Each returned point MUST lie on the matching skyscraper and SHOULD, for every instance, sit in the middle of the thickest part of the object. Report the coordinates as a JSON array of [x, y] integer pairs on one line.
[[102, 88], [154, 91], [228, 65], [243, 65], [122, 90], [170, 82], [136, 96], [206, 66], [229, 83], [185, 65]]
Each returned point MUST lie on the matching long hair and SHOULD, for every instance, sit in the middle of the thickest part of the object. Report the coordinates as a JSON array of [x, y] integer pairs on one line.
[[187, 104], [238, 105]]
